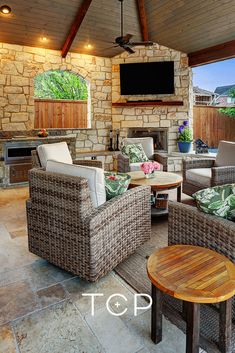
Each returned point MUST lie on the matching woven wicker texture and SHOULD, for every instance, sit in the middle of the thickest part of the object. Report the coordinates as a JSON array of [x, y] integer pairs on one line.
[[65, 229]]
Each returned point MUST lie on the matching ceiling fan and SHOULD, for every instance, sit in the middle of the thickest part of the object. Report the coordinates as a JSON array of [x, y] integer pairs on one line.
[[125, 41]]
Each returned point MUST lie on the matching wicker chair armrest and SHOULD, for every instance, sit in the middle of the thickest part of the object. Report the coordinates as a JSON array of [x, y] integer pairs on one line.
[[162, 160], [123, 163], [53, 191], [188, 225], [88, 163], [223, 175], [193, 163], [127, 205]]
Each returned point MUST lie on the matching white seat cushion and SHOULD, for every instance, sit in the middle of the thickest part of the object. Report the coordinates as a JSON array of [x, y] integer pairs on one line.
[[95, 177], [54, 151], [226, 154], [199, 176], [146, 142], [135, 167]]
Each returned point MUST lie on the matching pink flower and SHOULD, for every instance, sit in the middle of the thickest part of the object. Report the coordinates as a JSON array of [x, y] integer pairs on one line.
[[149, 167], [112, 177]]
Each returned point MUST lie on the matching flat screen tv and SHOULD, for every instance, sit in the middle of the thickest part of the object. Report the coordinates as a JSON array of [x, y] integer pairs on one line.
[[147, 78]]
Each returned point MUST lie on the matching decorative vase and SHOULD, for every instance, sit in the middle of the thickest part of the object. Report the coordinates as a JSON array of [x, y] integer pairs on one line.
[[184, 147], [149, 175]]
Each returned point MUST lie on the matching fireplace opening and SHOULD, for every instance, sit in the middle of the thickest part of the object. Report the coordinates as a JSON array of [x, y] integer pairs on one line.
[[159, 136]]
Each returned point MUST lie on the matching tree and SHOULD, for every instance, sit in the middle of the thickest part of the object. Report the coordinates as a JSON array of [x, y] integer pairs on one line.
[[230, 111], [60, 85]]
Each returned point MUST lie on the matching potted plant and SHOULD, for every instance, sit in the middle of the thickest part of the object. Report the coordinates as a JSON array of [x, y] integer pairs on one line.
[[185, 137]]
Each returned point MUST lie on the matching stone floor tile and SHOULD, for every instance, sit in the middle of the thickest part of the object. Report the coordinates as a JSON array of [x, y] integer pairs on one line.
[[16, 300], [7, 341], [57, 329], [112, 333], [51, 295], [42, 274], [173, 340], [108, 286]]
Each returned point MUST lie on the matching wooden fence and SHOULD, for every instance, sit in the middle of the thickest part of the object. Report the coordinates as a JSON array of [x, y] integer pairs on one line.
[[212, 126], [63, 114]]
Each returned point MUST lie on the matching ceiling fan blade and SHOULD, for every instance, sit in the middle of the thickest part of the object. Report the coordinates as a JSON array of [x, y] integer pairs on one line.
[[141, 43], [113, 46], [127, 37], [128, 49]]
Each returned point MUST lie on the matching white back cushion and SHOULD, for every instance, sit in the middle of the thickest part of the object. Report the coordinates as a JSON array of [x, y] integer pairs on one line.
[[146, 142], [54, 151], [226, 154], [95, 177]]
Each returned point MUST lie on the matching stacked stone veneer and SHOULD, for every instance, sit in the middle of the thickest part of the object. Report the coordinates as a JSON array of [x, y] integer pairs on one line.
[[162, 116], [18, 67], [20, 64]]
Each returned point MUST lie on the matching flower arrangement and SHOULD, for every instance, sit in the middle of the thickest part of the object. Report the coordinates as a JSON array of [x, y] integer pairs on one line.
[[185, 133], [43, 133], [149, 167]]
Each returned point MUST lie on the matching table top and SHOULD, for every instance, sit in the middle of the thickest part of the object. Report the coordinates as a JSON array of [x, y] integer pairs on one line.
[[161, 180], [192, 273]]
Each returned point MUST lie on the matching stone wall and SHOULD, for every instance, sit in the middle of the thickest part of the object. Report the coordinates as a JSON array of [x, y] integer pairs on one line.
[[20, 64], [162, 116], [18, 67]]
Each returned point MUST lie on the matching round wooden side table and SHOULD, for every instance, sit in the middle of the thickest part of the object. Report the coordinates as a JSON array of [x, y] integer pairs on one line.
[[195, 275]]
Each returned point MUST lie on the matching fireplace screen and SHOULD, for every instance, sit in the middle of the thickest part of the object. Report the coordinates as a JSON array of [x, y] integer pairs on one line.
[[159, 136]]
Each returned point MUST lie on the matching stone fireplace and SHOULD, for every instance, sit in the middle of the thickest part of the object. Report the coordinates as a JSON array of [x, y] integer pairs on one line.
[[159, 135]]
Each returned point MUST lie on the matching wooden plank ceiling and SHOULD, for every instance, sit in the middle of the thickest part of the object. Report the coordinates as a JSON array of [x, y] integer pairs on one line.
[[185, 25]]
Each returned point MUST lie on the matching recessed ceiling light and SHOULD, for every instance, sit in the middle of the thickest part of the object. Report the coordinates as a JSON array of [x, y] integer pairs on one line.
[[44, 39], [89, 46], [5, 9]]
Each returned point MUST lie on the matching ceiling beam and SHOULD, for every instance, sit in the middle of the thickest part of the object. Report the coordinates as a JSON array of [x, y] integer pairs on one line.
[[75, 26], [212, 54], [143, 20]]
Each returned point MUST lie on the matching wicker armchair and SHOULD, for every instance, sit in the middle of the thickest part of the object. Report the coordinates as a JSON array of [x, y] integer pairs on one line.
[[36, 162], [123, 161], [187, 225], [65, 228], [215, 170]]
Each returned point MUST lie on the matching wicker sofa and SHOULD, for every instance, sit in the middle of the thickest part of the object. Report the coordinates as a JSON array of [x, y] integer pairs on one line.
[[187, 225], [67, 230]]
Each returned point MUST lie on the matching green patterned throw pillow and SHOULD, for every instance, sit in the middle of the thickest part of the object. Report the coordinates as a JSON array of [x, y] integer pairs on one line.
[[116, 184], [135, 152], [219, 201]]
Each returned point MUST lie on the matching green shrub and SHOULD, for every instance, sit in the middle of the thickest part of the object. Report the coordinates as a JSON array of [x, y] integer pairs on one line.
[[60, 85]]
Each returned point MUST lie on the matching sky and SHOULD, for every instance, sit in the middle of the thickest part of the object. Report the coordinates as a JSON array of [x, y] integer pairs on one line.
[[213, 75]]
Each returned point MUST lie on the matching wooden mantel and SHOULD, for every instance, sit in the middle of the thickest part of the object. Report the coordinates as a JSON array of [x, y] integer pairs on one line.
[[146, 103]]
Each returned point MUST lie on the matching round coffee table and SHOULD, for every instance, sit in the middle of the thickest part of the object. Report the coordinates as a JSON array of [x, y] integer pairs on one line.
[[160, 182], [195, 275]]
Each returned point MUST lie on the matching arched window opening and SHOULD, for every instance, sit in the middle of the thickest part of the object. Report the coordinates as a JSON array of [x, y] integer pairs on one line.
[[62, 100]]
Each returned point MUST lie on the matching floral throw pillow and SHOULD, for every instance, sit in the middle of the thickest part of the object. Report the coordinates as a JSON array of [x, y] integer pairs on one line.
[[219, 201], [135, 152], [116, 184]]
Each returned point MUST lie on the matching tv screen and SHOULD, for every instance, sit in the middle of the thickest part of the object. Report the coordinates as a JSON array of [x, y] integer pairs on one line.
[[147, 78]]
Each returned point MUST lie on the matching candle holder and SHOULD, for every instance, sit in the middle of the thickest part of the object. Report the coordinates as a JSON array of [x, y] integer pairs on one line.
[[110, 140], [117, 140]]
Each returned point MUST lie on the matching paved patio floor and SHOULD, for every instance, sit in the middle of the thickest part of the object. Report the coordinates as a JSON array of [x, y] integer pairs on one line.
[[42, 309]]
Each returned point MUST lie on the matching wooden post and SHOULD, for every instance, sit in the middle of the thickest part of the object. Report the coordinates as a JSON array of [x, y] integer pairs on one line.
[[193, 328], [225, 326], [156, 315]]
